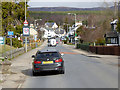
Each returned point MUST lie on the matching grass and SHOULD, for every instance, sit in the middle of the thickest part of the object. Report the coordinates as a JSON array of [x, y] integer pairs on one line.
[[70, 44], [5, 48]]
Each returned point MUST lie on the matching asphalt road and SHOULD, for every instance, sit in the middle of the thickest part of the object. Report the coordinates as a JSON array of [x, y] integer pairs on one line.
[[80, 72]]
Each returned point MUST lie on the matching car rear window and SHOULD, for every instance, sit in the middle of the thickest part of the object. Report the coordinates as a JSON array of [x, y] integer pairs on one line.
[[48, 55]]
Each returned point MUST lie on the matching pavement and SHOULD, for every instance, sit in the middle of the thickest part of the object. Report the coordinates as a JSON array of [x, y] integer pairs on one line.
[[13, 74]]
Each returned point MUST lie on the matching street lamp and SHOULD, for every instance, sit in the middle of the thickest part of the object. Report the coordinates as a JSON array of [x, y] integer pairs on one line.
[[75, 24]]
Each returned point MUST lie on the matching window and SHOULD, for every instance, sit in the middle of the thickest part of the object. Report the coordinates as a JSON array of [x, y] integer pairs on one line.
[[47, 55], [112, 41]]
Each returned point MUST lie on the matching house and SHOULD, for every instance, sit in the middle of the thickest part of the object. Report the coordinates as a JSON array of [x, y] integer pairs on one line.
[[112, 37], [51, 25], [32, 30]]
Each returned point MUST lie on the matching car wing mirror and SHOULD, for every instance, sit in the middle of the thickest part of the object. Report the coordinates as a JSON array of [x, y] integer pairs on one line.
[[62, 54], [33, 56], [6, 57]]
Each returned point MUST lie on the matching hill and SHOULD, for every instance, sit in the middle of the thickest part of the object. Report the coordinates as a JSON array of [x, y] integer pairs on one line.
[[64, 9]]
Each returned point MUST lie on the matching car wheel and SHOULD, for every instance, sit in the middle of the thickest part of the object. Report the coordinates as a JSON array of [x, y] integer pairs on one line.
[[62, 72], [34, 73]]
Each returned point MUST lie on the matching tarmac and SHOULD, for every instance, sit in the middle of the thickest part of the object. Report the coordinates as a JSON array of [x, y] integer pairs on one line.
[[108, 59], [12, 77]]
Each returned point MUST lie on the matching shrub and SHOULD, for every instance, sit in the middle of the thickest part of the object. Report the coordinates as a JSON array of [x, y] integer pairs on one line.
[[15, 42], [100, 41]]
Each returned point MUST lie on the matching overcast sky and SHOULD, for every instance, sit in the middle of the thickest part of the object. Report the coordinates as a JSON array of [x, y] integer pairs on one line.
[[72, 0], [70, 3]]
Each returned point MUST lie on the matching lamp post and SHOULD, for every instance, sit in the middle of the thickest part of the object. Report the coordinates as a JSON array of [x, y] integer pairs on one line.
[[75, 24]]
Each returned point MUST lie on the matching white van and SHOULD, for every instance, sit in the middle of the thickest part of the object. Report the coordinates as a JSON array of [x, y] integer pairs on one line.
[[52, 42]]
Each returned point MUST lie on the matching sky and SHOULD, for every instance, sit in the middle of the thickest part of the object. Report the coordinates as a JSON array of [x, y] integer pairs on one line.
[[73, 0], [70, 3]]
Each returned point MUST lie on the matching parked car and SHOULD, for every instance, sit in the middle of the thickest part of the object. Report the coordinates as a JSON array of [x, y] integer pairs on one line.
[[48, 60]]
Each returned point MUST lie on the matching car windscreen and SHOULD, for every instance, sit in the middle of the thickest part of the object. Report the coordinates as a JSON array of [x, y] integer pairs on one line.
[[48, 55]]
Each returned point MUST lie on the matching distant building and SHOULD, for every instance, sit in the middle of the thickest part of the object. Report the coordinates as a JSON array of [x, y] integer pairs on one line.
[[79, 23], [112, 38], [32, 30], [51, 25]]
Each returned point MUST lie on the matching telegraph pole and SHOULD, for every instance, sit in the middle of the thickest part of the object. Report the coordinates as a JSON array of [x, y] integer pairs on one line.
[[115, 5], [25, 36]]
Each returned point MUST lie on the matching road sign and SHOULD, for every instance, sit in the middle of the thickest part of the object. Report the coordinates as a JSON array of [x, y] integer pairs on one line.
[[1, 40], [35, 37], [26, 31], [27, 41], [10, 36], [10, 33], [25, 23]]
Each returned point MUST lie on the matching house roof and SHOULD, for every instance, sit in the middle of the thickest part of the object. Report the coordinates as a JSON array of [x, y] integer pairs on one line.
[[111, 34], [59, 32], [49, 24]]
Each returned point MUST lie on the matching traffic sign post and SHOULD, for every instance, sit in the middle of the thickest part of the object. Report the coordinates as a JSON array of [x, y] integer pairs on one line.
[[2, 40], [35, 38], [26, 33], [11, 35], [25, 23]]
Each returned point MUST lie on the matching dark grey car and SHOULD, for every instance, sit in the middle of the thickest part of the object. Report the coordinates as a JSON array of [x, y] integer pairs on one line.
[[47, 61]]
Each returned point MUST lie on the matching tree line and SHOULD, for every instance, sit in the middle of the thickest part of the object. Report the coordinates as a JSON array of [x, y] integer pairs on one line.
[[13, 16]]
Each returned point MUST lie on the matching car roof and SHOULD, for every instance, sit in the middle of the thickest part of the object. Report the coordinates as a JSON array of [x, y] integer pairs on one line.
[[48, 50]]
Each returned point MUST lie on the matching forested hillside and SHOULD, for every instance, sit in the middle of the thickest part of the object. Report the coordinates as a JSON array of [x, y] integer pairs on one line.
[[98, 19]]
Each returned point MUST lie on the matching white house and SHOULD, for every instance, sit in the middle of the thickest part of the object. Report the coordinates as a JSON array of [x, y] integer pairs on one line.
[[32, 30], [51, 25]]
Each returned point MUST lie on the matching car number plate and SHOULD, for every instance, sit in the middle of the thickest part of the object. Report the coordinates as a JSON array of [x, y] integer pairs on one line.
[[47, 62]]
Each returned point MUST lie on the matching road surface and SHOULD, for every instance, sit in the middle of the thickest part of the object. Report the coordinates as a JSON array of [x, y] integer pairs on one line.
[[80, 72]]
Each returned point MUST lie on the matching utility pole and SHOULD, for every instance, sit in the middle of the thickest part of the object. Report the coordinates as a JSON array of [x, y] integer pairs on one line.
[[75, 25], [115, 12], [75, 30], [25, 36]]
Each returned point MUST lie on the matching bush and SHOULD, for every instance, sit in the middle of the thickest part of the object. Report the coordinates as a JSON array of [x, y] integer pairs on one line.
[[83, 46], [100, 41], [15, 42], [65, 41]]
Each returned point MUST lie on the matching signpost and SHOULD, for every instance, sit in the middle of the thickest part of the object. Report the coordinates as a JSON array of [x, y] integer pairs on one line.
[[10, 35], [25, 23], [35, 38], [2, 40], [26, 33]]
